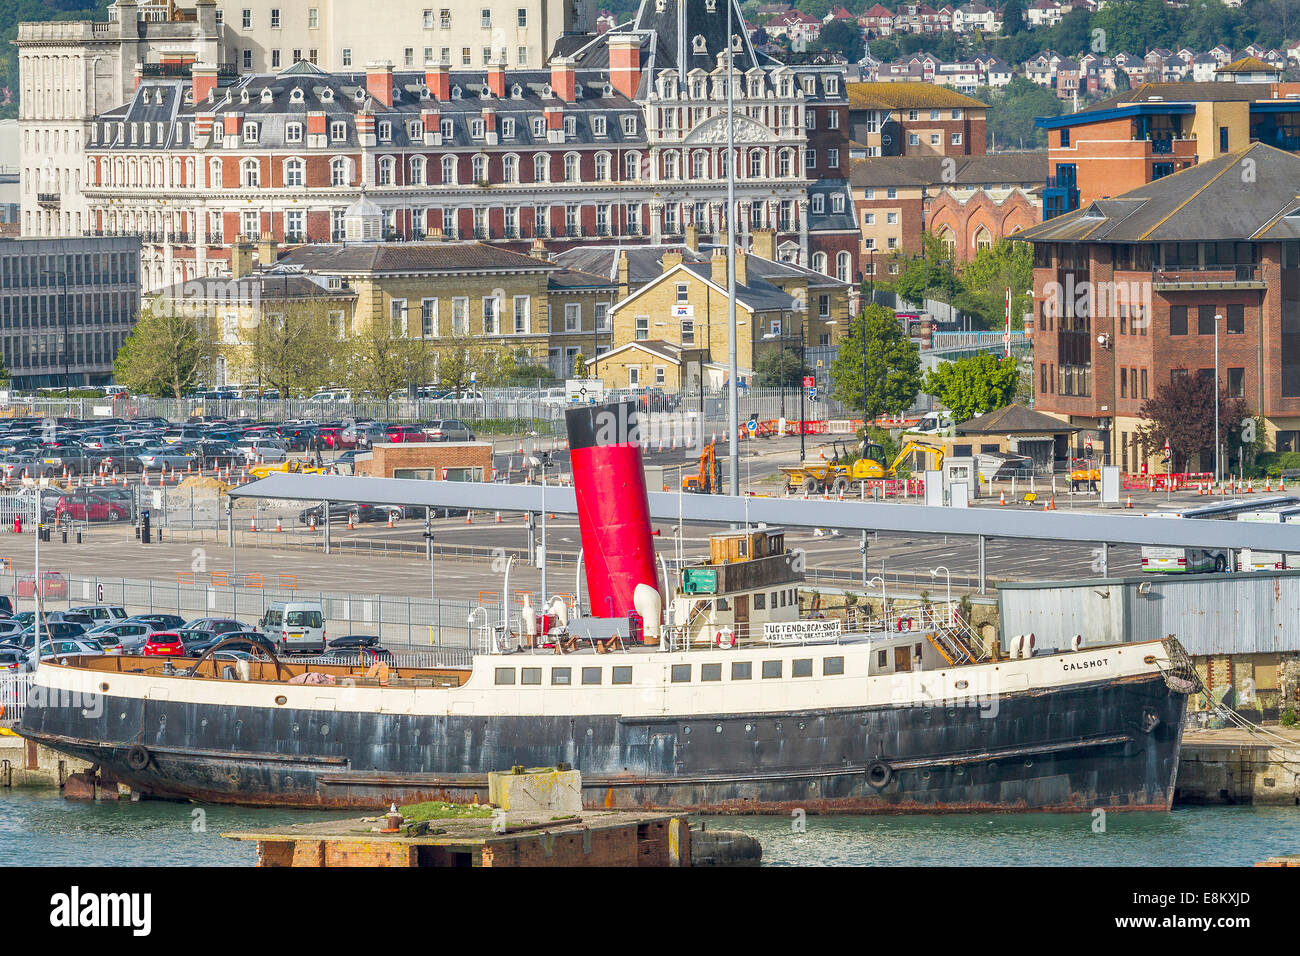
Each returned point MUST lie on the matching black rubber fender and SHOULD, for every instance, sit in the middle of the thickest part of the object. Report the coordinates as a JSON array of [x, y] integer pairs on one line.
[[879, 774], [137, 757]]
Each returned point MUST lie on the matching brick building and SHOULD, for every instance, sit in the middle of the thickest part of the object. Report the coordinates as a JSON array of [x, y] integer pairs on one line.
[[436, 461], [1167, 264], [893, 198], [970, 218], [914, 119], [1157, 129], [622, 134]]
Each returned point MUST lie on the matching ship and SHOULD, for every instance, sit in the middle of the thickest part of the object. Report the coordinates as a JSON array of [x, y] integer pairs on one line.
[[722, 692]]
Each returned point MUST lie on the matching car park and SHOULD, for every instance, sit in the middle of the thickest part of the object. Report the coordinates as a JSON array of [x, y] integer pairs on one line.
[[396, 434], [125, 637], [217, 625], [88, 505], [295, 626], [164, 644], [241, 641]]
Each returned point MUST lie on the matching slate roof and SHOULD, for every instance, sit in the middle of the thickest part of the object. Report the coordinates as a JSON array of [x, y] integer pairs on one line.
[[412, 257], [270, 286], [1208, 202], [993, 169], [645, 264], [1014, 419]]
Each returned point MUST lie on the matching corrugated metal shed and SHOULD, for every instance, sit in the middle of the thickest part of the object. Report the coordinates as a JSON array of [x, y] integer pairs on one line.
[[1250, 613]]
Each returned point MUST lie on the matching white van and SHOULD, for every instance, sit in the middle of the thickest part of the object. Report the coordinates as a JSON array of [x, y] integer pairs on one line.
[[296, 627]]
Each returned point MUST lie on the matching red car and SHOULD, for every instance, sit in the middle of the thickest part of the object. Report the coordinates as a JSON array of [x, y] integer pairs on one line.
[[405, 433], [90, 509], [336, 436], [163, 644]]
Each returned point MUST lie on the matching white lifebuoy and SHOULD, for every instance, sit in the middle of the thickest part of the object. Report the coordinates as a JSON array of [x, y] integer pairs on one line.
[[725, 638]]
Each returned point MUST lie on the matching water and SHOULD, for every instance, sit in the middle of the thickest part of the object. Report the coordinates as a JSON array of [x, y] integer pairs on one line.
[[40, 828]]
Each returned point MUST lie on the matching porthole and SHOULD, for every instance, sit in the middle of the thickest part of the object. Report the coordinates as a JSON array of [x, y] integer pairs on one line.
[[778, 725], [749, 728], [295, 728], [103, 688], [122, 716], [686, 730], [952, 713], [239, 725], [1029, 763], [718, 729], [203, 722], [961, 771], [590, 732], [801, 725], [962, 684], [324, 730], [812, 785], [1149, 659], [282, 700], [925, 775]]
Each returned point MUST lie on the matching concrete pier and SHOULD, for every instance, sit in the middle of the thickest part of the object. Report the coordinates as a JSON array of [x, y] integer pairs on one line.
[[1232, 766]]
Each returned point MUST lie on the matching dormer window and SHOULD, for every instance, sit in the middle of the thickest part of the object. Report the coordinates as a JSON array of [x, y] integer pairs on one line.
[[267, 96], [446, 128], [293, 133], [477, 128], [327, 95], [598, 126], [516, 92], [359, 95], [539, 126], [837, 203], [547, 91], [456, 92], [295, 95], [629, 125], [243, 96], [710, 6], [607, 90], [414, 131], [251, 132], [570, 126], [385, 132], [507, 129]]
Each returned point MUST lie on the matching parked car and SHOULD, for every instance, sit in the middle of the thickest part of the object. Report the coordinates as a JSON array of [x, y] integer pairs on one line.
[[397, 434], [247, 642], [54, 630], [340, 511], [167, 456], [164, 644], [88, 506], [59, 648], [9, 628], [448, 429], [160, 622], [264, 449], [337, 436], [103, 613], [295, 626], [12, 658], [217, 625], [124, 637]]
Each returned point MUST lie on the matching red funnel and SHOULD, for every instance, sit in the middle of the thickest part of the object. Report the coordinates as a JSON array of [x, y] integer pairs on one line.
[[613, 509]]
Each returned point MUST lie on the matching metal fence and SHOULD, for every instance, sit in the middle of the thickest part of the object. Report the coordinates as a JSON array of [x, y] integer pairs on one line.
[[399, 622], [13, 696]]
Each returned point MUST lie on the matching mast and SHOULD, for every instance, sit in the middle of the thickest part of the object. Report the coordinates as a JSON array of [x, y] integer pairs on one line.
[[733, 395]]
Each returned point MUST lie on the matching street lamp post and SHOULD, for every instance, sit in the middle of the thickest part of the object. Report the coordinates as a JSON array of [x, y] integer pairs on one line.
[[883, 599]]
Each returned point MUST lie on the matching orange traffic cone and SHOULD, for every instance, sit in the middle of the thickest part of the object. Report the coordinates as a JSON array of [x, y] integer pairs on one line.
[[278, 526], [390, 520], [1002, 498], [469, 517], [252, 523], [498, 517], [351, 526], [1129, 503]]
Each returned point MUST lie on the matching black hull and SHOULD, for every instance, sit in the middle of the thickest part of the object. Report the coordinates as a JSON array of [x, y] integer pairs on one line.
[[1110, 744]]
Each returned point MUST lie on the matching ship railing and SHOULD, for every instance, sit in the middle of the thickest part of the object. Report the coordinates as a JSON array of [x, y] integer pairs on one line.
[[14, 689]]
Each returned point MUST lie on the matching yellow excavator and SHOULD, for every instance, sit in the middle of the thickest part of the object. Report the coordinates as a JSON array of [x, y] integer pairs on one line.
[[709, 479], [832, 477], [291, 466]]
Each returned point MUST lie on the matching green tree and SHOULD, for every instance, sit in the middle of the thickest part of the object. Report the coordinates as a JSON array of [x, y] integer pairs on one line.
[[295, 347], [516, 369], [1013, 18], [975, 385], [892, 377], [985, 279], [884, 49], [841, 36], [932, 275], [1136, 26], [779, 368], [166, 352], [1181, 412], [5, 376], [580, 366], [383, 361]]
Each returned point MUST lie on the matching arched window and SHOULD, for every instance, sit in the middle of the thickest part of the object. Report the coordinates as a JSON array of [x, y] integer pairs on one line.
[[602, 167], [250, 173], [384, 172], [699, 164], [541, 168], [787, 163], [983, 239], [479, 168], [339, 171], [632, 166], [294, 172], [819, 263], [417, 170], [670, 165], [757, 164], [843, 264], [449, 169], [510, 169], [571, 168]]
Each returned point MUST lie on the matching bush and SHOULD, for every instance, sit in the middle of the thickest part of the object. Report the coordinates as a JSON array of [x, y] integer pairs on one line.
[[1273, 463], [1289, 717]]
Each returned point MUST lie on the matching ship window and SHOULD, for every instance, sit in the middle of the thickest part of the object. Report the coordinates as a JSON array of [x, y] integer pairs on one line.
[[801, 667], [776, 599], [771, 669], [591, 675], [561, 675], [681, 673], [832, 666], [742, 670], [622, 675], [710, 672], [882, 659], [530, 675], [760, 601], [722, 604], [505, 675]]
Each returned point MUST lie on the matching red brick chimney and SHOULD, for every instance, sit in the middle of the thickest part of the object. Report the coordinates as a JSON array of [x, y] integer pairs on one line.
[[496, 77], [438, 81], [204, 77], [563, 81], [624, 64], [379, 81]]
